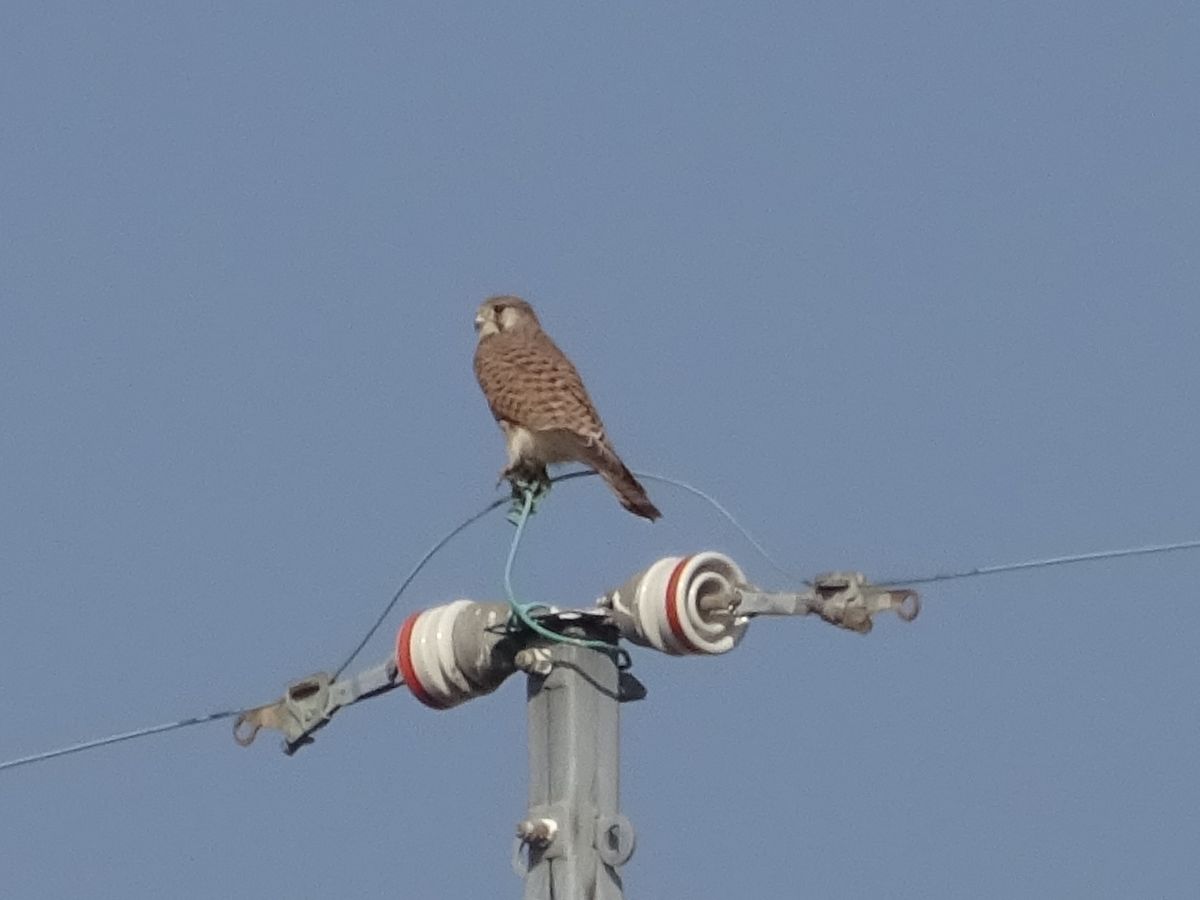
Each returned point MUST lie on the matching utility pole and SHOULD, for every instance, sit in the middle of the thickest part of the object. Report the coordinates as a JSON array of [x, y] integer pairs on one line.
[[573, 839], [574, 836]]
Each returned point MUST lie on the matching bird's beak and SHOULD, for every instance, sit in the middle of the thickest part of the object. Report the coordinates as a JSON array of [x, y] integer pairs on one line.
[[479, 321]]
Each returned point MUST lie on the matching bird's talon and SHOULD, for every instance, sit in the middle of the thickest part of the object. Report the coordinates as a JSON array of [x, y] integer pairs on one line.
[[534, 489]]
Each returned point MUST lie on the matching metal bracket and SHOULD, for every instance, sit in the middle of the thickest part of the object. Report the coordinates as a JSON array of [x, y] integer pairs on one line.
[[844, 599], [615, 839], [848, 600], [308, 705]]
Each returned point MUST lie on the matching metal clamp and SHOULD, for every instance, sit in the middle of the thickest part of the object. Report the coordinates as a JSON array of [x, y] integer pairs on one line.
[[844, 599], [848, 600], [308, 704]]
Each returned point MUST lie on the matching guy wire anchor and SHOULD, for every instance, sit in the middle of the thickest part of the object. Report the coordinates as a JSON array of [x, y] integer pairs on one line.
[[308, 704]]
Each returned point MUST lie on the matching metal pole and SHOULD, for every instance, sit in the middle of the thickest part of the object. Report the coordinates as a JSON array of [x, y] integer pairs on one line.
[[574, 836]]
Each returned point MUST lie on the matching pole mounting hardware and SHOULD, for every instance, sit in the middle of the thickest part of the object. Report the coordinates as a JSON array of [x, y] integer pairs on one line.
[[844, 599], [308, 704]]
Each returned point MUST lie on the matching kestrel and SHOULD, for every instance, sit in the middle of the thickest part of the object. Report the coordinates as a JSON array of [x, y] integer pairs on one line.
[[541, 404]]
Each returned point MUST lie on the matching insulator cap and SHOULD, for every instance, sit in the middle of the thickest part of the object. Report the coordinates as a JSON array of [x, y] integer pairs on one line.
[[448, 654], [661, 607]]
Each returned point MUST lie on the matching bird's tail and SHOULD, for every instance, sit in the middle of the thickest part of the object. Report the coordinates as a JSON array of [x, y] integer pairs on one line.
[[627, 488]]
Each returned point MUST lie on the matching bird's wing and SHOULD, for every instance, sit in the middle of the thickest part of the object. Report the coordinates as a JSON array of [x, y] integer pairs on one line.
[[528, 381]]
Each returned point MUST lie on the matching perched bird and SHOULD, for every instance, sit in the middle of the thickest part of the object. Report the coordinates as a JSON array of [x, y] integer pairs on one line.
[[541, 404]]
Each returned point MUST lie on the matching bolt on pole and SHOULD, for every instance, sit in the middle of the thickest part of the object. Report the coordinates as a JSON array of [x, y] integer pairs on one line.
[[575, 838]]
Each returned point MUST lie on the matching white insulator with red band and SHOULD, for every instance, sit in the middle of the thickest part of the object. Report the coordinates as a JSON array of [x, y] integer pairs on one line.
[[445, 654], [661, 607]]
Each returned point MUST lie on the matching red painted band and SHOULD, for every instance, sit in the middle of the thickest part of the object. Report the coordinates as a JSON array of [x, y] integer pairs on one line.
[[404, 662], [673, 605]]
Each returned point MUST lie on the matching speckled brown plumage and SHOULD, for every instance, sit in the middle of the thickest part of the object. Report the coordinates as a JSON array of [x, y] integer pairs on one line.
[[529, 381], [539, 400]]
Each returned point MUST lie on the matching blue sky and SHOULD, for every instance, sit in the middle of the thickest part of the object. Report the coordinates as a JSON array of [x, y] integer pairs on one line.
[[907, 286]]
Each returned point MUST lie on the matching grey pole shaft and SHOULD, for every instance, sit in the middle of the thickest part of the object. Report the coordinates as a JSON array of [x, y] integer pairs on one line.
[[573, 778]]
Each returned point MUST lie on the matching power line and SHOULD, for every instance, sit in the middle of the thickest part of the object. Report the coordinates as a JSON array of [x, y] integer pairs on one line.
[[496, 504], [118, 738], [408, 579], [1045, 563], [729, 517]]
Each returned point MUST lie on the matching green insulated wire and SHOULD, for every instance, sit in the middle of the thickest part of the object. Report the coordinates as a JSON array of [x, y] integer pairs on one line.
[[519, 612]]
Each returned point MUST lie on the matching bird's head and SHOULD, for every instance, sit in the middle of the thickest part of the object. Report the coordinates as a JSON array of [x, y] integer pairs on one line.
[[500, 314]]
